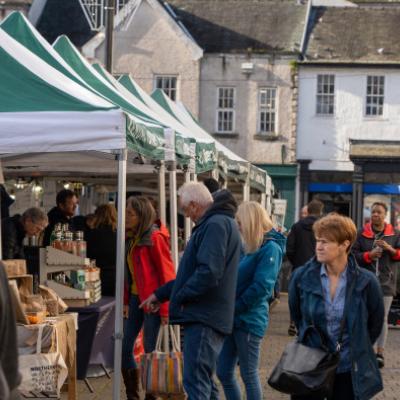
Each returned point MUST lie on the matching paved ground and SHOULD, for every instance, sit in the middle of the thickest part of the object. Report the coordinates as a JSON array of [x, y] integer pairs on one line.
[[272, 348]]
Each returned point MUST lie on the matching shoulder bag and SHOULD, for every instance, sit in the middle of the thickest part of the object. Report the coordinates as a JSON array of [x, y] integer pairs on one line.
[[308, 371]]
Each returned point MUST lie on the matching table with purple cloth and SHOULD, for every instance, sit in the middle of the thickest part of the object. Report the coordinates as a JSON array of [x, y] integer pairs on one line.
[[95, 344]]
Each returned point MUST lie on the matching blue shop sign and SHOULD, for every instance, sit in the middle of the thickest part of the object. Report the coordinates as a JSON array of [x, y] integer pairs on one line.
[[368, 188]]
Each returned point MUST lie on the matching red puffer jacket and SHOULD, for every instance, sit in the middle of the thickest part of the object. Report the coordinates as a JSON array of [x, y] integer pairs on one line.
[[152, 265]]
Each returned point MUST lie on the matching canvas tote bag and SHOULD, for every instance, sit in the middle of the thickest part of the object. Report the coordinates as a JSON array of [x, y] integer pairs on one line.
[[43, 372], [162, 370]]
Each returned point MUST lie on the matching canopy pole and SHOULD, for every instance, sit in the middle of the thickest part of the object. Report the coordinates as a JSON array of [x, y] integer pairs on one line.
[[173, 212], [263, 200], [246, 190], [120, 268], [174, 225], [161, 193], [188, 223], [215, 174]]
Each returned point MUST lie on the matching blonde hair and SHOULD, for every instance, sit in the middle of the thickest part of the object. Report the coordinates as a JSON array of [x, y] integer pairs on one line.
[[254, 223]]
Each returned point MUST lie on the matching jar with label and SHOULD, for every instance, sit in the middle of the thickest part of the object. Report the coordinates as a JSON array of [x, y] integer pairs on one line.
[[80, 244], [57, 242], [67, 242]]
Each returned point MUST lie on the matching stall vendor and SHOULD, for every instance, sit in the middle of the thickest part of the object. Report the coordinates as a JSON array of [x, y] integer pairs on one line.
[[32, 223], [67, 202]]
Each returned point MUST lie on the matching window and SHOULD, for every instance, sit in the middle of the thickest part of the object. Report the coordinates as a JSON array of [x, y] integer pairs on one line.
[[325, 94], [375, 95], [226, 110], [267, 110], [168, 84]]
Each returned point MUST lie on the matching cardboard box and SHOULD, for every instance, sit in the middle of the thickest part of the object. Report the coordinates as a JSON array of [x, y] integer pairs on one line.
[[15, 267]]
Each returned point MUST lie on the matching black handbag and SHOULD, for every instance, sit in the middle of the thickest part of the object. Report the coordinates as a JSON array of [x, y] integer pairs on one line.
[[307, 371]]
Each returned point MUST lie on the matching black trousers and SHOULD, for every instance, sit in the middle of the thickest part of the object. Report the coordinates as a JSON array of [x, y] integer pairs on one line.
[[342, 389]]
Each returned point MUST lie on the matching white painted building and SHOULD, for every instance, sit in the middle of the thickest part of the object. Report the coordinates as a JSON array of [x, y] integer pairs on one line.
[[348, 131]]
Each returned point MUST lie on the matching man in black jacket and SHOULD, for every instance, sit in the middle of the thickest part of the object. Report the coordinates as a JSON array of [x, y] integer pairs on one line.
[[32, 222], [63, 213], [300, 245]]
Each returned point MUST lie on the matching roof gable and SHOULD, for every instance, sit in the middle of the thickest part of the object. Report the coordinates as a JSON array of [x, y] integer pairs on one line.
[[367, 35], [233, 26]]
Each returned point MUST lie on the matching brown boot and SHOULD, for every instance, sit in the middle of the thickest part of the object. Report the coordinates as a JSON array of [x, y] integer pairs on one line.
[[132, 383]]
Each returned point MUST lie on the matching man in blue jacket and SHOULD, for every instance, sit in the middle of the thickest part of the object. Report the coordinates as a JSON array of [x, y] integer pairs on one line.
[[202, 297]]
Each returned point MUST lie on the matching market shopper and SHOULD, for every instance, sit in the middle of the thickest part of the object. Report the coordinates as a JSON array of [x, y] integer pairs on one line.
[[148, 266], [14, 229], [318, 292], [67, 202], [202, 298], [101, 242], [300, 246], [377, 248], [258, 272]]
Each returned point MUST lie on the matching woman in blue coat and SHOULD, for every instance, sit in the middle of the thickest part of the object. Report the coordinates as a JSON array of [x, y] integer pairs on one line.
[[317, 296], [258, 272]]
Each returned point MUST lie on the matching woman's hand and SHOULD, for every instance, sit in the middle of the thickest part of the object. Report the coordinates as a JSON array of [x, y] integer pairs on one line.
[[375, 253], [125, 311]]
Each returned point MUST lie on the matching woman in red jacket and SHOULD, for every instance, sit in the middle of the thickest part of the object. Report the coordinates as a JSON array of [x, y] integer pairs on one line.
[[148, 266]]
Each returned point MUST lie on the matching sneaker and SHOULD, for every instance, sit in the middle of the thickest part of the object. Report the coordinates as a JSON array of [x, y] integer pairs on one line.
[[381, 360], [292, 330]]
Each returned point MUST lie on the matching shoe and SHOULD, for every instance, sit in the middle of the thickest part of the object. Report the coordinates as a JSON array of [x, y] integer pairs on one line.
[[274, 303], [132, 383], [292, 330], [381, 360]]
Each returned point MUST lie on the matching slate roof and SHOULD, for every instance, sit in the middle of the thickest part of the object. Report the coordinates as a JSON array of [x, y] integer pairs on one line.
[[64, 17], [362, 35], [234, 26]]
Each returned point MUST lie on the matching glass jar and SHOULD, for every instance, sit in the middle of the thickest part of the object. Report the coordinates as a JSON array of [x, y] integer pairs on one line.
[[80, 244]]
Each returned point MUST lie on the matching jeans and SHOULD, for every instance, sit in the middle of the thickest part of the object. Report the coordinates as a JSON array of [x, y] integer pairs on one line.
[[132, 326], [381, 341], [245, 348], [202, 346]]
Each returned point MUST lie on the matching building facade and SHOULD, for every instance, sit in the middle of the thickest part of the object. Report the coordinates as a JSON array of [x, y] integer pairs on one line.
[[349, 111], [234, 70]]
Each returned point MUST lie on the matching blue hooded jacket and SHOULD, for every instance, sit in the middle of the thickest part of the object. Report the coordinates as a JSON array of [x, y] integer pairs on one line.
[[364, 319], [257, 275], [204, 288]]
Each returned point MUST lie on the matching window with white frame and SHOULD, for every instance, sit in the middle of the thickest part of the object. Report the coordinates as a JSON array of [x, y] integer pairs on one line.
[[325, 94], [226, 110], [375, 95], [168, 84], [267, 110]]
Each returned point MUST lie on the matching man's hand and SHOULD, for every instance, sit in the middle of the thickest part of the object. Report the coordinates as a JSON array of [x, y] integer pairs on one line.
[[375, 253], [151, 303]]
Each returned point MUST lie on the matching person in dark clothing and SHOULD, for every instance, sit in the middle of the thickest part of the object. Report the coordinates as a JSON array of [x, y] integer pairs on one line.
[[9, 375], [377, 248], [102, 245], [300, 245], [14, 229], [63, 213], [5, 202], [202, 297], [211, 184]]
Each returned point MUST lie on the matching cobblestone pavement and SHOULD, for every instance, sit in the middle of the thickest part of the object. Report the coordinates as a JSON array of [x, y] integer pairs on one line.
[[272, 348]]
